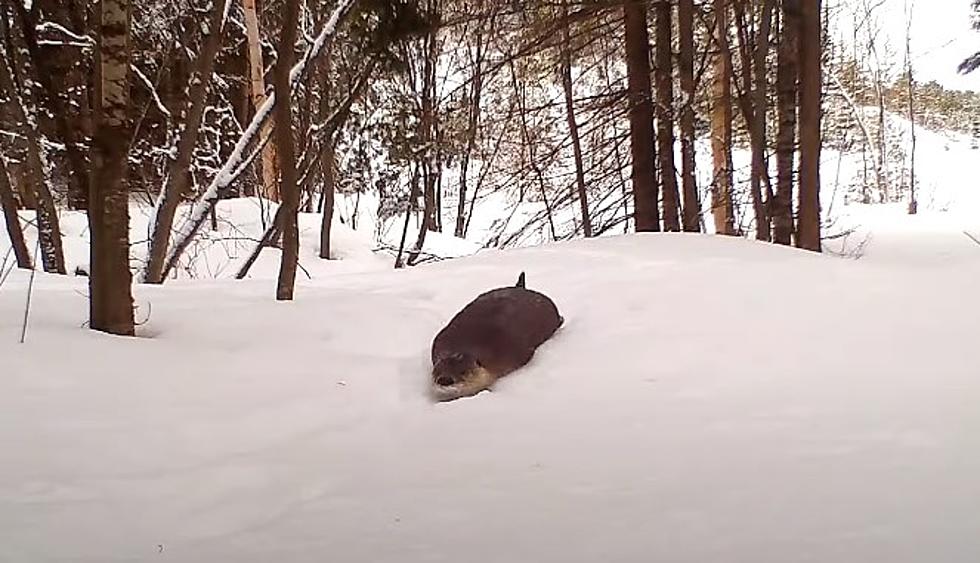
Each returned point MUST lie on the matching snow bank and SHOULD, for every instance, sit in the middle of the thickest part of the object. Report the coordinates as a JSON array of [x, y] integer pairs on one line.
[[708, 399]]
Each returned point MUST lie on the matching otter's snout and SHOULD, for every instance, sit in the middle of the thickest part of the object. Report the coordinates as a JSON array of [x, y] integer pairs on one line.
[[445, 380]]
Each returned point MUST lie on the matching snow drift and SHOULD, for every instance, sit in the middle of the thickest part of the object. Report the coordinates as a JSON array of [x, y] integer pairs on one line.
[[708, 399]]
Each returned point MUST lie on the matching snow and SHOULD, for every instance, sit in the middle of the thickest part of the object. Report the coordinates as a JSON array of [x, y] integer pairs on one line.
[[708, 399]]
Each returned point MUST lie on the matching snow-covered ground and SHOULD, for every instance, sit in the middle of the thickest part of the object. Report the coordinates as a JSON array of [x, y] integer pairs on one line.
[[708, 399]]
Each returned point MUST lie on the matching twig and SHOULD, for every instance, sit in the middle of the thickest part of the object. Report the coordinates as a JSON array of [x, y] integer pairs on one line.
[[30, 292], [971, 237]]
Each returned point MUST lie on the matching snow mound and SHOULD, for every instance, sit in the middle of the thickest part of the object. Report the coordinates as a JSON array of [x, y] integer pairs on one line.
[[708, 399]]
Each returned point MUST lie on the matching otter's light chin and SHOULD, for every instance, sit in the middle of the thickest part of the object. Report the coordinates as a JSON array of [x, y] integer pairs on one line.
[[474, 382]]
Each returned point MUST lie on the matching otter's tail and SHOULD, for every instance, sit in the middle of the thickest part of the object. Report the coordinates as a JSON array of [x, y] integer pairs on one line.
[[520, 281]]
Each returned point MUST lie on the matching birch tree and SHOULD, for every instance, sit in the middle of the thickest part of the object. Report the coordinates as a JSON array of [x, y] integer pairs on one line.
[[110, 279]]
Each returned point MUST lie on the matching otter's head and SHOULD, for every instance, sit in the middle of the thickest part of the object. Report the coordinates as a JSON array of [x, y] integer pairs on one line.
[[459, 375]]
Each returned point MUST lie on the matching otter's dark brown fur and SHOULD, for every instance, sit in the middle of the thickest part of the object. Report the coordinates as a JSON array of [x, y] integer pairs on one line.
[[495, 334]]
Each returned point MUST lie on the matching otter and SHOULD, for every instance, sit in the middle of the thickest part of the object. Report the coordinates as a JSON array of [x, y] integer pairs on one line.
[[494, 335]]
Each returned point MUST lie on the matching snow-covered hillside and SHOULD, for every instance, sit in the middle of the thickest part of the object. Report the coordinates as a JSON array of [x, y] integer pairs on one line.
[[708, 399]]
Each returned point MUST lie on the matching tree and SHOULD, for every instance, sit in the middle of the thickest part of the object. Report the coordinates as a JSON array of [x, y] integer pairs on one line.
[[288, 188], [110, 279], [685, 67], [566, 81], [38, 169], [646, 210], [665, 115], [179, 170], [787, 94], [721, 126], [256, 82], [14, 231], [811, 95]]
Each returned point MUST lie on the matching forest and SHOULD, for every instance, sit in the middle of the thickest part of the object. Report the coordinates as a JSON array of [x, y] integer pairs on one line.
[[489, 281], [599, 117]]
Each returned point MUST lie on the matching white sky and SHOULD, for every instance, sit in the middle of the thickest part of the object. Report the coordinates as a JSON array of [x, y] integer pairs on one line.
[[941, 37]]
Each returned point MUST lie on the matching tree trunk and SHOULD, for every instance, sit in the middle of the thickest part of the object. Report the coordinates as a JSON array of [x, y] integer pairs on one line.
[[430, 138], [473, 128], [646, 208], [811, 84], [256, 80], [913, 202], [665, 115], [50, 97], [761, 117], [177, 175], [787, 93], [288, 188], [413, 197], [685, 66], [327, 166], [110, 279], [38, 173], [566, 80], [749, 48], [14, 231], [721, 127]]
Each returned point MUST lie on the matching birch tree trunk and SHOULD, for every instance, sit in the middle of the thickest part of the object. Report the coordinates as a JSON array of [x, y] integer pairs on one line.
[[646, 205], [288, 188], [110, 279]]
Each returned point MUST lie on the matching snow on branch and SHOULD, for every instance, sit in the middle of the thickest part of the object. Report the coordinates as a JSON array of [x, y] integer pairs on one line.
[[56, 27], [230, 169], [153, 91]]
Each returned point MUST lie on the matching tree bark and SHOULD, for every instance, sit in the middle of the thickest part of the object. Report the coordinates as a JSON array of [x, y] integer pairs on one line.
[[787, 93], [913, 201], [327, 165], [177, 175], [44, 74], [566, 79], [288, 188], [760, 102], [646, 207], [12, 220], [665, 115], [811, 83], [685, 67], [49, 231], [110, 279], [256, 81], [721, 127]]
